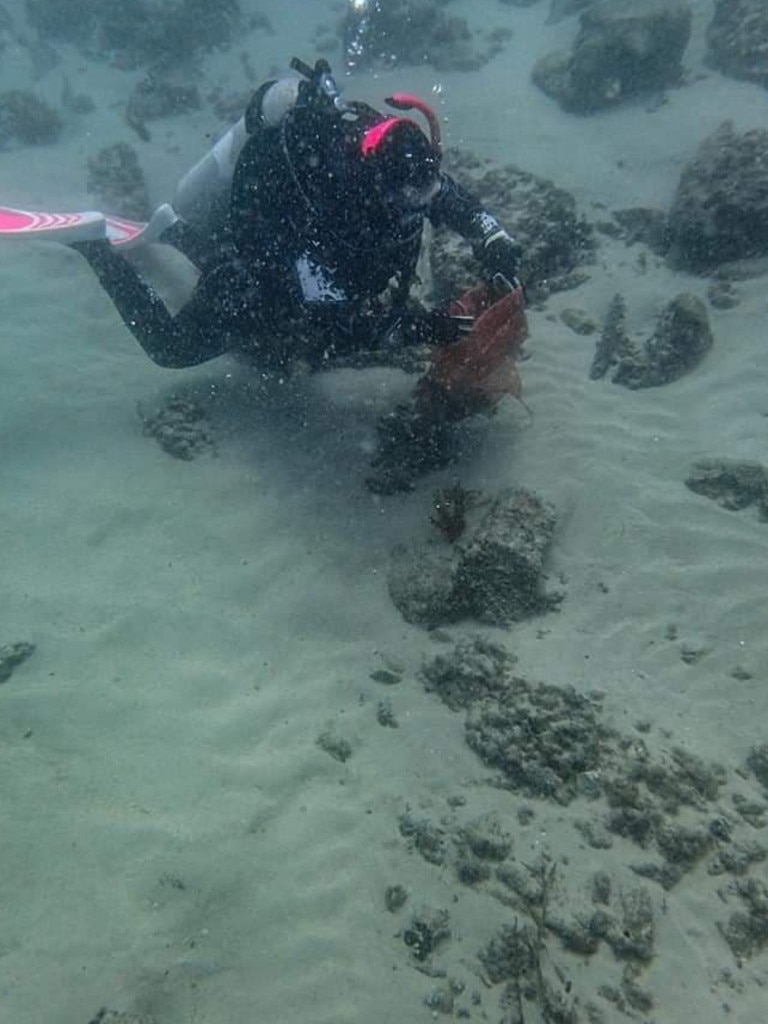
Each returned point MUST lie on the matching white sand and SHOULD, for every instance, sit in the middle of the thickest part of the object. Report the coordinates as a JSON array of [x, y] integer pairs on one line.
[[172, 840]]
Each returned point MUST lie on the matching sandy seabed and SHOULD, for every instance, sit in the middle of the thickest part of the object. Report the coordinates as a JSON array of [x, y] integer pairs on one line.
[[174, 842]]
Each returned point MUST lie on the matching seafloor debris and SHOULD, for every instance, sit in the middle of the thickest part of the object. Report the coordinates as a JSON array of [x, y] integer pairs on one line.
[[550, 747], [409, 445], [515, 957], [386, 676], [491, 571], [12, 655], [723, 294], [115, 177], [680, 340], [613, 344], [395, 898], [106, 1016], [644, 224], [181, 429], [428, 839], [733, 483], [545, 741], [550, 742], [472, 671], [385, 715], [579, 321], [156, 96], [27, 119], [450, 508], [339, 748], [757, 762], [427, 931]]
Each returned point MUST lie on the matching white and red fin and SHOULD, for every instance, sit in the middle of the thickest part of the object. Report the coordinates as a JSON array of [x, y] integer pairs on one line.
[[129, 233], [65, 227], [122, 232], [87, 226]]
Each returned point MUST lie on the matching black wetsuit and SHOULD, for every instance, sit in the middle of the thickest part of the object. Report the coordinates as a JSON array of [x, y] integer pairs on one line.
[[280, 277]]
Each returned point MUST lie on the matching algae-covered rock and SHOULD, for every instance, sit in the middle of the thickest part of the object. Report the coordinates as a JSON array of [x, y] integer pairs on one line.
[[472, 671], [720, 210], [680, 340], [422, 584], [733, 483], [543, 739], [493, 572], [746, 930], [500, 574], [182, 429], [624, 48], [737, 39], [13, 655], [555, 238]]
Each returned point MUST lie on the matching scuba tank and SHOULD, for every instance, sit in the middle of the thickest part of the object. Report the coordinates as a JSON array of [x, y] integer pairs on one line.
[[202, 193]]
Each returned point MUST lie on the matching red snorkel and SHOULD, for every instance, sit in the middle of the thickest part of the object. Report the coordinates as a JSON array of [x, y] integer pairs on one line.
[[407, 101]]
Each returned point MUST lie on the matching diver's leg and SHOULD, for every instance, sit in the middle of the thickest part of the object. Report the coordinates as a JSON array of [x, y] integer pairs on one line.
[[184, 340], [189, 242]]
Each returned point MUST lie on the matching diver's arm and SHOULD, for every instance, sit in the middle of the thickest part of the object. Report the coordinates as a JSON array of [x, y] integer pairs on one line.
[[342, 329], [191, 337], [456, 208]]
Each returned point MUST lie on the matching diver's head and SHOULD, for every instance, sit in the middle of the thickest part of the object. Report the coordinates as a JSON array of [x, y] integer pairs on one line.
[[399, 175], [368, 179]]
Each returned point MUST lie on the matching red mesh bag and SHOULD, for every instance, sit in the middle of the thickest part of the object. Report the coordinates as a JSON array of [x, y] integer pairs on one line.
[[473, 374]]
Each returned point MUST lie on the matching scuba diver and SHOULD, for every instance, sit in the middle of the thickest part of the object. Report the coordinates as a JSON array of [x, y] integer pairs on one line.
[[305, 223]]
